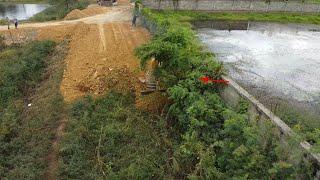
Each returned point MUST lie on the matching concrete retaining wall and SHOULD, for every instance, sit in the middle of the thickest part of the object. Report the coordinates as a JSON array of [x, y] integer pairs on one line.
[[234, 5]]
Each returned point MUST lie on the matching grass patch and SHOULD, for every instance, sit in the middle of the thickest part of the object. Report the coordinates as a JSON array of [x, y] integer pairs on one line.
[[109, 138], [30, 74]]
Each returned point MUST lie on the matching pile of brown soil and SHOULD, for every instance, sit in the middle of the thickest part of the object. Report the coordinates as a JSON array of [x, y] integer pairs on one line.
[[99, 81], [91, 11]]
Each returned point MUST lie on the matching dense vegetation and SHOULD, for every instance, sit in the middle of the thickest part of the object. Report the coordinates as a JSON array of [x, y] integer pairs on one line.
[[303, 121], [198, 112], [108, 137], [59, 9], [26, 130]]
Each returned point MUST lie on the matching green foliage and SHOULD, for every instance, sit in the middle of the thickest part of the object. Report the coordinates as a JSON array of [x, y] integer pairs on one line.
[[214, 142], [22, 70], [59, 10], [243, 106], [25, 132], [177, 51], [109, 138]]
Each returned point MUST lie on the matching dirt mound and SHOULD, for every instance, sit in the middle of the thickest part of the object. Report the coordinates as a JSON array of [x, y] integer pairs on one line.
[[95, 10], [153, 102], [75, 14], [91, 11], [104, 79], [101, 58], [58, 33]]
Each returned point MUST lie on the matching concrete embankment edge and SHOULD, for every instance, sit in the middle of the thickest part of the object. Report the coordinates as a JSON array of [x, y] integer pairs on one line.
[[235, 5]]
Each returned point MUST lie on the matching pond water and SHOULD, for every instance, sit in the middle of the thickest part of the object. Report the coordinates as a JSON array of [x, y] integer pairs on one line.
[[280, 60], [20, 11]]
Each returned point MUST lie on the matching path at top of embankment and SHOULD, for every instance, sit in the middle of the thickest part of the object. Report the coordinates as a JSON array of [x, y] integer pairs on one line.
[[239, 5], [113, 14]]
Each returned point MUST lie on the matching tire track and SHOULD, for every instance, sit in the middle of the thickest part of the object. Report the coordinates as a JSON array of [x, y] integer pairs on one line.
[[102, 38]]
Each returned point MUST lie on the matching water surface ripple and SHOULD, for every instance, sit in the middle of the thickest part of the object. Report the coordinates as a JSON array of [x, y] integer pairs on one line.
[[283, 60]]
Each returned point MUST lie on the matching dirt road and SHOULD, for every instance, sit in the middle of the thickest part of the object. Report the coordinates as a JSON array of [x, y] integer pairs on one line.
[[113, 14]]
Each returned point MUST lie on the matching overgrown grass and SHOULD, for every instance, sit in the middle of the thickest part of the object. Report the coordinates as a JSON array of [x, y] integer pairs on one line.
[[26, 131], [58, 11], [109, 138]]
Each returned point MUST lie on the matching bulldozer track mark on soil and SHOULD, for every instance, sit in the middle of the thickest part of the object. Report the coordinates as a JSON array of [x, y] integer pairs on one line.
[[102, 37], [115, 34], [124, 39]]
